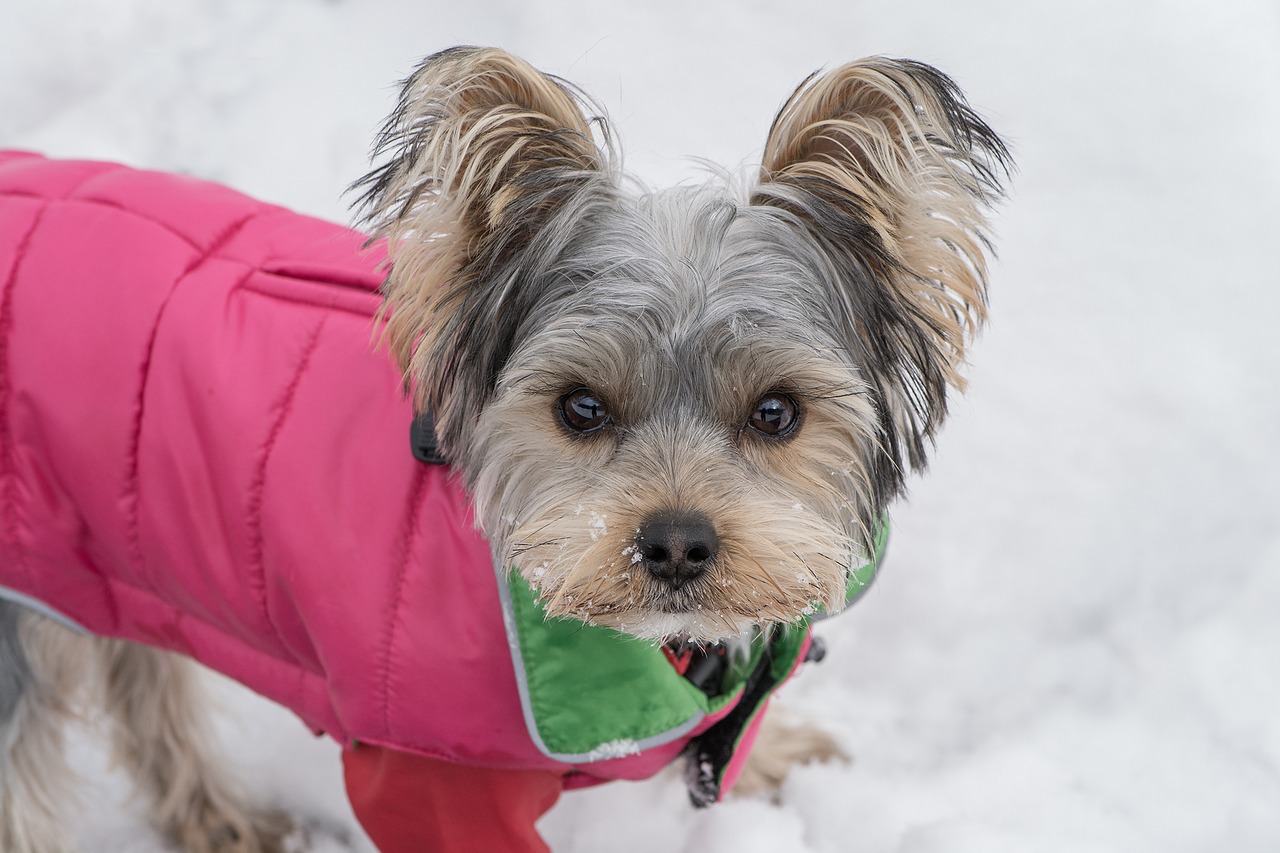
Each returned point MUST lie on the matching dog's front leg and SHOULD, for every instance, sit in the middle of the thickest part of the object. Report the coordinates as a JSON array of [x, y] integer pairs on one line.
[[161, 735], [40, 668], [783, 743]]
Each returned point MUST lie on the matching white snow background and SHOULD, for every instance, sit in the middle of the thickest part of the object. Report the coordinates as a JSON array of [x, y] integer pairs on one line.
[[1074, 645]]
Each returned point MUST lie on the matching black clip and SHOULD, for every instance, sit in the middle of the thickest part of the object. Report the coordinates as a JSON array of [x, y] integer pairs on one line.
[[423, 441], [817, 649]]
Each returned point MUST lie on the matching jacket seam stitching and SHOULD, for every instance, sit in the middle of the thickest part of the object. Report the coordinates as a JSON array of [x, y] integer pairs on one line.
[[261, 209], [8, 463], [256, 289], [408, 536], [257, 575], [9, 513], [131, 495]]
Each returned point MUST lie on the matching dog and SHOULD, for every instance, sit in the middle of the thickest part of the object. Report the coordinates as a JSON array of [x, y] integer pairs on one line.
[[678, 418]]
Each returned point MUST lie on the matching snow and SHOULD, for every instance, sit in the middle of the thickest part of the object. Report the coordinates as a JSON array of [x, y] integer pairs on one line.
[[1074, 644], [614, 749]]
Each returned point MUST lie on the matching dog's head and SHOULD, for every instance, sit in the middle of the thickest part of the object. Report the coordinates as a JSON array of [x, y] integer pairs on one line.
[[682, 412]]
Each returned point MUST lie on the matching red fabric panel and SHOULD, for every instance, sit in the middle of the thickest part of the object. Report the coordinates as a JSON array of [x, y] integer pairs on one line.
[[411, 804]]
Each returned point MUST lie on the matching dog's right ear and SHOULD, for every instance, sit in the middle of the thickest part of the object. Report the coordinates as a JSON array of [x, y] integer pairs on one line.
[[884, 164], [480, 154]]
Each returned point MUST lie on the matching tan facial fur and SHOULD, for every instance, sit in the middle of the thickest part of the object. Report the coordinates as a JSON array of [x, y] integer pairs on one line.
[[566, 510]]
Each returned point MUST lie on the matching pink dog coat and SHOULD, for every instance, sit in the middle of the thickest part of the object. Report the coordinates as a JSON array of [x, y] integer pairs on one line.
[[202, 450]]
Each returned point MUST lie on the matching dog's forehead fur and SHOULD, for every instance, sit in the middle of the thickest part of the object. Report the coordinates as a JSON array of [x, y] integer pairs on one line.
[[686, 291]]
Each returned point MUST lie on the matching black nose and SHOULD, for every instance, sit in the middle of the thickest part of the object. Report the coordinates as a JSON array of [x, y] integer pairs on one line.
[[677, 547]]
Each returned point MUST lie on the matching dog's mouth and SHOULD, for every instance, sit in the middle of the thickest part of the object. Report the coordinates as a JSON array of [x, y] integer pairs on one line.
[[678, 600], [664, 605], [665, 615], [677, 628]]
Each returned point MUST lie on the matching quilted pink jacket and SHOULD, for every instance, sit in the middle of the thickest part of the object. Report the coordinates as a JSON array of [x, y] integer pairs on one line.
[[201, 449]]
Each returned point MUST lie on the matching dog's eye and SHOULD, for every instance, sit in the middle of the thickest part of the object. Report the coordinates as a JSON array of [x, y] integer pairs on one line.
[[775, 415], [582, 411]]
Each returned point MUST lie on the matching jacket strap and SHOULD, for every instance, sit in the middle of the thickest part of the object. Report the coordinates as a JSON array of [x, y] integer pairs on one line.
[[708, 756]]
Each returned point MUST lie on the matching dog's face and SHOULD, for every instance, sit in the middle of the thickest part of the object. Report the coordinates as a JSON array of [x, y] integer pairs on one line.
[[683, 412]]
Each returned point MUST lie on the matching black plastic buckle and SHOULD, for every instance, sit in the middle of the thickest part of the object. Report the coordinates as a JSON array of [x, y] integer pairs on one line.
[[423, 441]]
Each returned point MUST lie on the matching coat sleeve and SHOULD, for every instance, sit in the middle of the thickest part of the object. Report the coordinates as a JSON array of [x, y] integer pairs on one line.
[[409, 803]]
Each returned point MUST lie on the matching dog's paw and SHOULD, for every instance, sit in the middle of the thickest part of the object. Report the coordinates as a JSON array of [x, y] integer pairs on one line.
[[783, 743]]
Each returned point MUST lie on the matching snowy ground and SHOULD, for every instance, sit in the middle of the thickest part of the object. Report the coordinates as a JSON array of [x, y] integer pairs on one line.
[[1074, 647]]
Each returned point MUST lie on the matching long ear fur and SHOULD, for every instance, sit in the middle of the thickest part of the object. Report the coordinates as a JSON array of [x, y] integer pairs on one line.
[[883, 162], [481, 153]]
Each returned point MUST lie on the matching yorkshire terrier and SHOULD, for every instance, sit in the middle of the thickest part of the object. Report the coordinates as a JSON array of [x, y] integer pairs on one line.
[[679, 414]]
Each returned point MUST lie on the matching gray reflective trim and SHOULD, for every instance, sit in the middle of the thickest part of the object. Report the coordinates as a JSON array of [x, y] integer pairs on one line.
[[603, 751], [43, 609]]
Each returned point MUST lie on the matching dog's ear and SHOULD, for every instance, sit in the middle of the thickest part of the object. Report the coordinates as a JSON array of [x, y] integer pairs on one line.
[[885, 165], [480, 155]]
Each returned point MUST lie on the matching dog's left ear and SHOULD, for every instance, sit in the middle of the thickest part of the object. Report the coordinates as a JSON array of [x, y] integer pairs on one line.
[[481, 155], [885, 165]]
